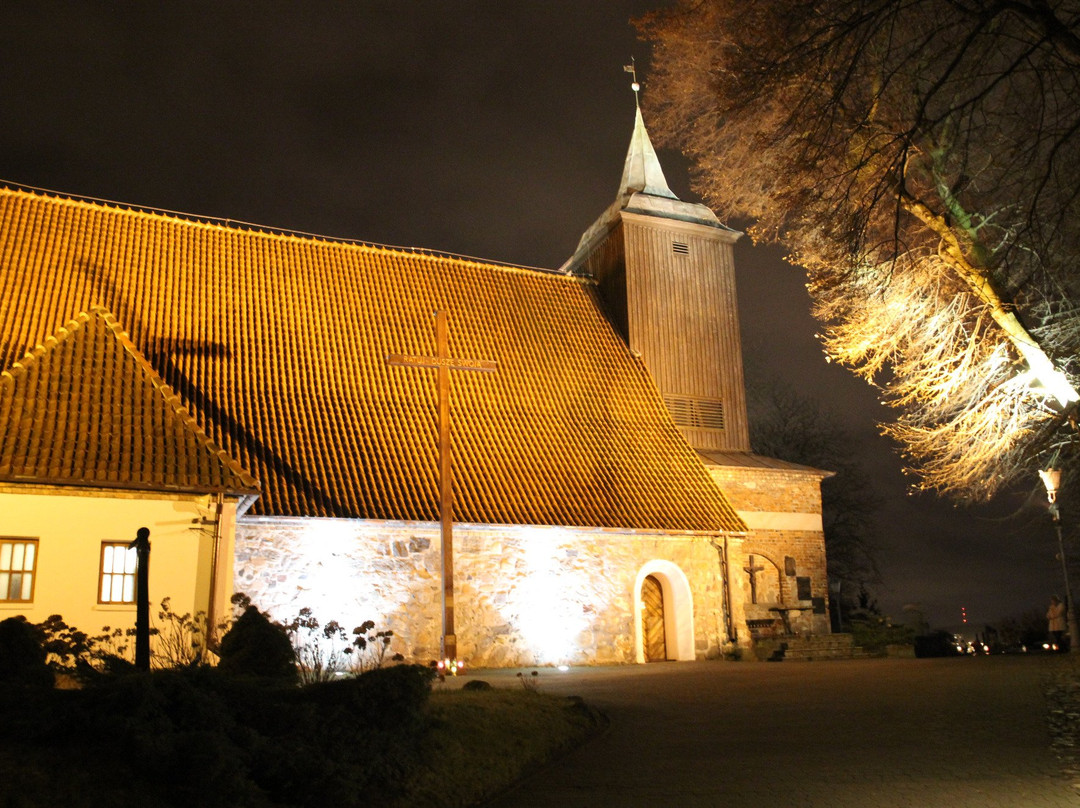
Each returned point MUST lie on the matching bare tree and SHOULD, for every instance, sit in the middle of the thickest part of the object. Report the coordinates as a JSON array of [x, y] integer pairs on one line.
[[921, 159], [787, 424]]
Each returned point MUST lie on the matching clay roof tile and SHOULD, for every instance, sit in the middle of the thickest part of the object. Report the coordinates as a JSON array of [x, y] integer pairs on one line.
[[276, 345]]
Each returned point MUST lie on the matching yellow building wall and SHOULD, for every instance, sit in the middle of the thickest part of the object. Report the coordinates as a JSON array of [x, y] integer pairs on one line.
[[70, 525]]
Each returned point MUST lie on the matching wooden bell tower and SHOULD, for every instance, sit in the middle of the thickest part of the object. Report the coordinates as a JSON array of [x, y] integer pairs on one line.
[[665, 273]]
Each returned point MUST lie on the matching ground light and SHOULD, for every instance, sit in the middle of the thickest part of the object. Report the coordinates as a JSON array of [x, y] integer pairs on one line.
[[1051, 478], [451, 666]]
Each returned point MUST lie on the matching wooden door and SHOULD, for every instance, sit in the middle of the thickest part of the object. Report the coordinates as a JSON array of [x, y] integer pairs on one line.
[[652, 620]]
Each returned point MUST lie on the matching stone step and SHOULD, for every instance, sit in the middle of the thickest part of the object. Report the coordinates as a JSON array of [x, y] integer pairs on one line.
[[806, 649]]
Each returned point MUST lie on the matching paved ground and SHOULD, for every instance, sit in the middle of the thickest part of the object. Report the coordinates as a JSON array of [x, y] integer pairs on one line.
[[869, 733]]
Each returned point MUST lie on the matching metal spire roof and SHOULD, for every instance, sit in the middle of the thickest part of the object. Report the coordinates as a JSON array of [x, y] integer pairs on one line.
[[643, 189], [642, 171]]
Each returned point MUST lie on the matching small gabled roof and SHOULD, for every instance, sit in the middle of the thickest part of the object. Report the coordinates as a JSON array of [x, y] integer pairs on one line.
[[86, 408]]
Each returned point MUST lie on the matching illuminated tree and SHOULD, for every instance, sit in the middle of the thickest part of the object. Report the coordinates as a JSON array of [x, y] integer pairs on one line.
[[921, 159]]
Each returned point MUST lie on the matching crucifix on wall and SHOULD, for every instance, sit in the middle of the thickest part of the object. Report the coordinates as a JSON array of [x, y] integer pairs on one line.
[[752, 571], [444, 363]]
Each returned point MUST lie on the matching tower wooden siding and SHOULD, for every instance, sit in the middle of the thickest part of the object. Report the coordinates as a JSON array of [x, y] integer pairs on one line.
[[606, 264], [682, 319]]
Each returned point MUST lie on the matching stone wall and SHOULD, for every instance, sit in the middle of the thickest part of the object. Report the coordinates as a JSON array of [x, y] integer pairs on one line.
[[782, 508], [523, 595]]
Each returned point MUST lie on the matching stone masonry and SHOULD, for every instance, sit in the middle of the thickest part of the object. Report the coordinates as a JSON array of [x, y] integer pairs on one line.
[[782, 508], [524, 595]]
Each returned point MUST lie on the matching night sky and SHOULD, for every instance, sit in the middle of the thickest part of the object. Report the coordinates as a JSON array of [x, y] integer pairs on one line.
[[487, 129]]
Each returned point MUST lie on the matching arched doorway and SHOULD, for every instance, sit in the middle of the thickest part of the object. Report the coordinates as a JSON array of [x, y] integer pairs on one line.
[[676, 615], [653, 633]]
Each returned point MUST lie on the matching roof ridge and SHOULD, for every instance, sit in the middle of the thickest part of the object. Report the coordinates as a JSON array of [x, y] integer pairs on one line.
[[253, 228]]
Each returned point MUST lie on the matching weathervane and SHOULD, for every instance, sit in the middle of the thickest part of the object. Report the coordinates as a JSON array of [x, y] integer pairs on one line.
[[632, 70]]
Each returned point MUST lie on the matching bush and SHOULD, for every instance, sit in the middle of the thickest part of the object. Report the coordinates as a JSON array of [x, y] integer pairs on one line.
[[22, 655], [874, 634], [176, 729], [324, 651], [255, 646], [183, 640], [349, 742]]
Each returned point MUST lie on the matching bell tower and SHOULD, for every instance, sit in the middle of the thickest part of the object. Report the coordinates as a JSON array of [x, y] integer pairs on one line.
[[665, 274]]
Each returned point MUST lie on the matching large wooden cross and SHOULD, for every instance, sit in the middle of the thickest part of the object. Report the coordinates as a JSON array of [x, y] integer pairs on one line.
[[444, 363]]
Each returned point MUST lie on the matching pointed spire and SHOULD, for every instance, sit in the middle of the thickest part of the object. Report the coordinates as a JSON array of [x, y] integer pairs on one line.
[[642, 190], [642, 172]]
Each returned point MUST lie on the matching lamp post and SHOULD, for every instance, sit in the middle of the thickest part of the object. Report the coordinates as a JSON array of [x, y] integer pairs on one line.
[[1051, 478], [142, 598]]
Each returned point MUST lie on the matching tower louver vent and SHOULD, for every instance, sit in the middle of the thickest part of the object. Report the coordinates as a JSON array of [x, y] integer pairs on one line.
[[696, 413], [679, 248]]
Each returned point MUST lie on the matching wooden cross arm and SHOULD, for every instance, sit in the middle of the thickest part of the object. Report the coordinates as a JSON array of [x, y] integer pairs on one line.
[[449, 362]]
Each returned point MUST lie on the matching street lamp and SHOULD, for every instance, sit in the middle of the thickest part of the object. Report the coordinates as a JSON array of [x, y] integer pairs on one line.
[[1051, 478]]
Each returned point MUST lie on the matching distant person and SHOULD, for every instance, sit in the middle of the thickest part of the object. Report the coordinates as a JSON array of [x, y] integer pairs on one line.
[[1055, 618]]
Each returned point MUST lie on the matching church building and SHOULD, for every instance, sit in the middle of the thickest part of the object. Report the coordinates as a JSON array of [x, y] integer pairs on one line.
[[504, 465]]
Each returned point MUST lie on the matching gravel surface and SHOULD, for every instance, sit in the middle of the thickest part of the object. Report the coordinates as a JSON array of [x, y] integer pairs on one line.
[[1062, 690]]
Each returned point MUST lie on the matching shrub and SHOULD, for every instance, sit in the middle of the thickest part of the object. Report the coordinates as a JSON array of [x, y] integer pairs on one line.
[[874, 633], [182, 639], [349, 742], [65, 646], [199, 736], [323, 651], [370, 649], [318, 657], [22, 655], [255, 646]]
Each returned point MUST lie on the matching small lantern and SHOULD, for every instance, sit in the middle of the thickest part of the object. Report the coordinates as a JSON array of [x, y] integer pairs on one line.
[[1051, 478]]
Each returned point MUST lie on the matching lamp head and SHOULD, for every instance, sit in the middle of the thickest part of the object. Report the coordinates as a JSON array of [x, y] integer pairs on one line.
[[1051, 478]]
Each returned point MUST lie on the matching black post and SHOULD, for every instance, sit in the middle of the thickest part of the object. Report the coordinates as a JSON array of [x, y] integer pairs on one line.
[[142, 599]]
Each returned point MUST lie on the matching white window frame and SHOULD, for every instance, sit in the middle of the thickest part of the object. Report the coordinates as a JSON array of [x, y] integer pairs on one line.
[[18, 557], [116, 573]]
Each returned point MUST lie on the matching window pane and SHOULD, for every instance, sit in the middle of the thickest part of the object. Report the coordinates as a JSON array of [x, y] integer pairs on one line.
[[118, 564], [28, 564], [27, 585], [16, 586], [17, 551], [5, 582], [5, 555]]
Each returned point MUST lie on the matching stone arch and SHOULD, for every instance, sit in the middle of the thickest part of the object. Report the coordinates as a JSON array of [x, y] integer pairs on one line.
[[678, 610]]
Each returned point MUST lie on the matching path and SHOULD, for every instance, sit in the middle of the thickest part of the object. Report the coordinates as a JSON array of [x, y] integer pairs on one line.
[[868, 733]]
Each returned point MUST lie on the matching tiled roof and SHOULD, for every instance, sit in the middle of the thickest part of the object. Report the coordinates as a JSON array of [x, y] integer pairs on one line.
[[277, 344], [86, 408]]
